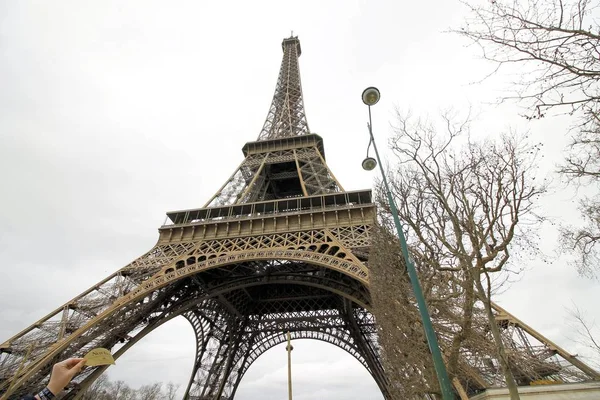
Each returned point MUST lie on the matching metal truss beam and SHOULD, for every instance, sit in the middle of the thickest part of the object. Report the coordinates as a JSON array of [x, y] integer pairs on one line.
[[286, 115]]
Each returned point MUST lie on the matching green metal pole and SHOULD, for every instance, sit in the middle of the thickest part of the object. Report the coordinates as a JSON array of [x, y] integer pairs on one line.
[[289, 349], [436, 354]]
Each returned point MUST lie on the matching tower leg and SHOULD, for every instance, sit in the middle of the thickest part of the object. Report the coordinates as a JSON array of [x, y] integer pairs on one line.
[[218, 349], [362, 330]]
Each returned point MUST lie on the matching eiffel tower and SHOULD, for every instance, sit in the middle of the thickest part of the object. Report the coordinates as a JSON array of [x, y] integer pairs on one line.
[[281, 247]]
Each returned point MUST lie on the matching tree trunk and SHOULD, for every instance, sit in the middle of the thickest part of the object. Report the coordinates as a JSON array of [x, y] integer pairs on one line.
[[465, 328], [502, 357]]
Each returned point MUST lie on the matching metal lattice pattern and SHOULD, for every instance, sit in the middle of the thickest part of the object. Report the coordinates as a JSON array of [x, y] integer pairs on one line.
[[311, 246], [130, 294], [255, 179], [532, 357], [316, 176], [286, 115], [261, 331], [320, 241], [230, 309], [35, 340]]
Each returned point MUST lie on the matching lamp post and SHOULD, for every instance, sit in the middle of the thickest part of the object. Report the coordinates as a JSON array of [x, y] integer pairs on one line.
[[289, 349], [370, 97]]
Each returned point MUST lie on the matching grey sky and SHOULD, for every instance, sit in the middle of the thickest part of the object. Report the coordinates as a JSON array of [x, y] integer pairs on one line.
[[112, 113]]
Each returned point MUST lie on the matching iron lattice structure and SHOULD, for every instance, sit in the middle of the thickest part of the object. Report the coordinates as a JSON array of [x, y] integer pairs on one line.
[[280, 247]]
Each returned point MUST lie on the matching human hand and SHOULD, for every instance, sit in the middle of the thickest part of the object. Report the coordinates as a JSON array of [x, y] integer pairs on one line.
[[63, 372]]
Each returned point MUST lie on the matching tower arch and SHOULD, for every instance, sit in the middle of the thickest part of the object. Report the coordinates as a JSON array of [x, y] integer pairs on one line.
[[320, 311]]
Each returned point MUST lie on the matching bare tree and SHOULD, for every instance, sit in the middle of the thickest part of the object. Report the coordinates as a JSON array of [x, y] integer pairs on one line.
[[104, 389], [116, 389], [466, 212], [585, 240], [127, 393], [98, 389], [119, 390], [560, 41], [406, 356], [586, 333], [150, 391], [172, 389]]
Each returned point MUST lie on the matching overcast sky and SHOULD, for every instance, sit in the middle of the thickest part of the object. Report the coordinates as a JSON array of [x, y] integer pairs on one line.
[[112, 113]]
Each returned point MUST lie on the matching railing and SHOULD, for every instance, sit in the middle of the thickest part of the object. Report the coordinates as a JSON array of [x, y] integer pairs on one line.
[[295, 205]]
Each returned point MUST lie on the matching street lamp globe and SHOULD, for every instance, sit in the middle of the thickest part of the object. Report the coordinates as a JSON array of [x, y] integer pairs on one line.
[[370, 96], [369, 164]]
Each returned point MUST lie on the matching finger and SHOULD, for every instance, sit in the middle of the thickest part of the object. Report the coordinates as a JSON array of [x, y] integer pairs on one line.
[[79, 365], [72, 362], [77, 368]]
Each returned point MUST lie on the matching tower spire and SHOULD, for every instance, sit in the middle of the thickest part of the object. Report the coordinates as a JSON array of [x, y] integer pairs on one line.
[[286, 115]]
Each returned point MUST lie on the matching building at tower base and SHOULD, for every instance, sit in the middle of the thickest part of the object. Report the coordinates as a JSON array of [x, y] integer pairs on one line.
[[566, 391]]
